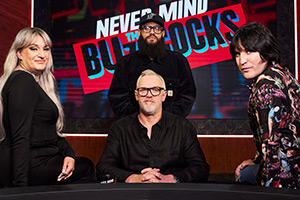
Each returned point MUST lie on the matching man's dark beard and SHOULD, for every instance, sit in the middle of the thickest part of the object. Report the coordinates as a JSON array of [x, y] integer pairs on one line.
[[156, 50]]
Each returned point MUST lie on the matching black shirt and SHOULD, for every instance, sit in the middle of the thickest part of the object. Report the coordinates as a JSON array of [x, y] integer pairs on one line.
[[173, 148], [29, 119], [173, 67]]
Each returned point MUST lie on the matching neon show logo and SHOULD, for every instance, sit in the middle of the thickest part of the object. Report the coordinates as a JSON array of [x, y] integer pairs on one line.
[[202, 38]]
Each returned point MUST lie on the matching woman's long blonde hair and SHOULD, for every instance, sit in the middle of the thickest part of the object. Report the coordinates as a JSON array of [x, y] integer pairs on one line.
[[47, 81]]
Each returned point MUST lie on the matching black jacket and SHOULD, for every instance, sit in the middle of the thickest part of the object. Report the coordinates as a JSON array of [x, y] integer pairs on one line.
[[173, 67]]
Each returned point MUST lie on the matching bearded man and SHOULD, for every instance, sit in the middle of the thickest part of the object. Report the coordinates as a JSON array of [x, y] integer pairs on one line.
[[152, 54]]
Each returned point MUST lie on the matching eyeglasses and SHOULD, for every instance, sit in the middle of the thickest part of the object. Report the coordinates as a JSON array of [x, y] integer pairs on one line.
[[155, 91], [156, 29]]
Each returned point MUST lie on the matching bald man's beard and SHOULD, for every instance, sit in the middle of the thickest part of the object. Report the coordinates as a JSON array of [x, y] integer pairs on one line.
[[156, 50]]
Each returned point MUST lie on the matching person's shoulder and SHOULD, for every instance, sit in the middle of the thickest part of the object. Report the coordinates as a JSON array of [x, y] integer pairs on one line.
[[123, 126], [270, 76], [20, 78], [20, 74], [176, 120], [178, 57], [168, 114], [20, 83], [126, 61], [125, 121], [272, 71], [174, 53], [129, 56], [179, 124]]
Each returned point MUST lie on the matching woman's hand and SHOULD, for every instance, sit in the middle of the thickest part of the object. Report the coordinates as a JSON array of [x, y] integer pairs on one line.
[[241, 166], [67, 169]]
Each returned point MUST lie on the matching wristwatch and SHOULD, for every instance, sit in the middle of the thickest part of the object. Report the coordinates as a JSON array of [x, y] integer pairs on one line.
[[176, 179]]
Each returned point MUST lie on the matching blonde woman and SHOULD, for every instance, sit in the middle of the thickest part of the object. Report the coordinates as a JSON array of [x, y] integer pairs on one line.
[[33, 152]]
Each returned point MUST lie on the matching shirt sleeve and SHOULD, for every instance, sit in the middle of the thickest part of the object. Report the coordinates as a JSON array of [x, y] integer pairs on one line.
[[108, 163], [65, 148], [22, 98], [186, 94], [197, 169], [119, 92], [270, 107]]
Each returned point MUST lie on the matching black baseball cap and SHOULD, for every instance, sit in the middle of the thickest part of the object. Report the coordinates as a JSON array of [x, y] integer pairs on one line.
[[152, 17]]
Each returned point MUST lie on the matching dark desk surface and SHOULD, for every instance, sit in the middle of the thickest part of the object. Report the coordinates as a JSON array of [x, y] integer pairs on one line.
[[184, 191]]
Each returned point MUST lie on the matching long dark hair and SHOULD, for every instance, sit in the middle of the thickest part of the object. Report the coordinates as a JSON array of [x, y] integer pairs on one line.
[[255, 37]]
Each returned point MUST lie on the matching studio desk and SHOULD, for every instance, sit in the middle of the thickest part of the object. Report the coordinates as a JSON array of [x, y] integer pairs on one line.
[[225, 144], [120, 191]]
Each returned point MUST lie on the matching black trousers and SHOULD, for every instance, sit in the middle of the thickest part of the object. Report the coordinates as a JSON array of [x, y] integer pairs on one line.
[[47, 173], [6, 174]]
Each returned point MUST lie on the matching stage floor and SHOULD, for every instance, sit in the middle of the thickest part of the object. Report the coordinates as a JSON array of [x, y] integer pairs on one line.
[[186, 191]]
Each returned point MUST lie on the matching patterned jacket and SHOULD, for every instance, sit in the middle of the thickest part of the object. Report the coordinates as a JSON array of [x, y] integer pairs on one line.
[[274, 111]]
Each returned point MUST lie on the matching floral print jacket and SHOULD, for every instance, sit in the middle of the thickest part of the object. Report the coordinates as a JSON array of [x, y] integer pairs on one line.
[[274, 111]]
